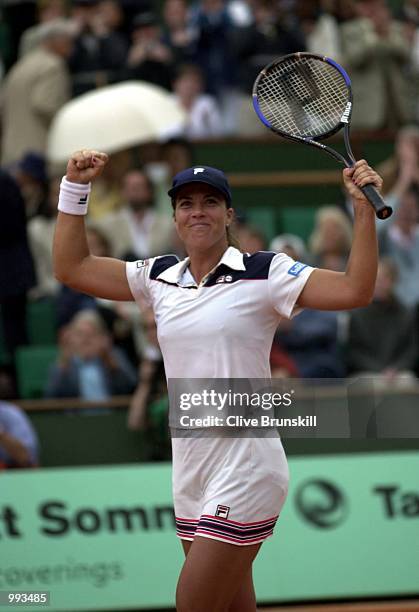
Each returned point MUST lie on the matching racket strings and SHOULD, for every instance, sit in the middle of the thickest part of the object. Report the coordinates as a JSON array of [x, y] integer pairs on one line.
[[303, 97]]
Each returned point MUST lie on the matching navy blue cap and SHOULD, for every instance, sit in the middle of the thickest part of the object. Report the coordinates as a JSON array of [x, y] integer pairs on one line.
[[202, 174]]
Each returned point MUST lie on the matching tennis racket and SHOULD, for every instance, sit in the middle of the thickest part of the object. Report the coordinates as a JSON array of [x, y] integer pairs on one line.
[[307, 98]]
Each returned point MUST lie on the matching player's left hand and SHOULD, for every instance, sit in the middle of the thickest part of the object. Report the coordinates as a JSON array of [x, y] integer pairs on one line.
[[359, 175]]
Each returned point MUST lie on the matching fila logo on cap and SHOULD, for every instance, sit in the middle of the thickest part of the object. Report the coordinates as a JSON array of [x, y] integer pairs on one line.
[[198, 170]]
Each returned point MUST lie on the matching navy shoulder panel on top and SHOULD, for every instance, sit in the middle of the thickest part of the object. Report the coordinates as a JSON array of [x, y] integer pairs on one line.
[[257, 268], [258, 264], [161, 264]]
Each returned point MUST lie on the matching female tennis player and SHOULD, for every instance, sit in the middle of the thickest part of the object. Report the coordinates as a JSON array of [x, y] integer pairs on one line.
[[216, 314]]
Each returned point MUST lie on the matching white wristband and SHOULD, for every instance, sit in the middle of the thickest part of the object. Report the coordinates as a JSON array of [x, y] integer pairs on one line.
[[74, 197]]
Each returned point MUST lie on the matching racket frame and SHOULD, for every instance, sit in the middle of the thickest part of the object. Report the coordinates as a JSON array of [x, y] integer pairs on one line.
[[314, 141]]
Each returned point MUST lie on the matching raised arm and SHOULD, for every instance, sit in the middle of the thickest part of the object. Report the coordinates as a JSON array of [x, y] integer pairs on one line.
[[327, 290], [73, 265]]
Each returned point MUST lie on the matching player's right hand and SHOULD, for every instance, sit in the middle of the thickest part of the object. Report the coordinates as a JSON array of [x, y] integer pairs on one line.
[[85, 165]]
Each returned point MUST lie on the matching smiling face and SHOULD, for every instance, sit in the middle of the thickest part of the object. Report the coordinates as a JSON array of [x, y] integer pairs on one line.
[[201, 217]]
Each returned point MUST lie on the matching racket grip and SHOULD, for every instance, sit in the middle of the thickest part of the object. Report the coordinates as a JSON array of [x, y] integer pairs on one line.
[[381, 209]]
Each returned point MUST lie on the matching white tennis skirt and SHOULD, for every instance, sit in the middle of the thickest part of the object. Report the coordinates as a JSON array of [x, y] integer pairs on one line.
[[228, 489]]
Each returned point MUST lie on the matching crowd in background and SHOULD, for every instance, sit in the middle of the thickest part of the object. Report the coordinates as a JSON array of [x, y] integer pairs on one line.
[[207, 54]]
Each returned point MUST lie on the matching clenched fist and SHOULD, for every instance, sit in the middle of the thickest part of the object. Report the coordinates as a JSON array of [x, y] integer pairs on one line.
[[86, 165], [359, 175]]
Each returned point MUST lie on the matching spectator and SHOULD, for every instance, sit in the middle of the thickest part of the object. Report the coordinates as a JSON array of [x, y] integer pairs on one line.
[[137, 231], [175, 155], [178, 35], [18, 440], [282, 365], [99, 52], [69, 301], [376, 51], [34, 89], [269, 36], [409, 11], [291, 245], [203, 116], [105, 196], [89, 366], [320, 29], [251, 239], [382, 336], [48, 10], [213, 25], [399, 240], [151, 376], [311, 341], [149, 59], [31, 176], [41, 233], [121, 318], [331, 238], [110, 14], [17, 274], [401, 170]]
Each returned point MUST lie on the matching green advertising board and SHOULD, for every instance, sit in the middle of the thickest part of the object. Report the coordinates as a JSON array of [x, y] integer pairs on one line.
[[103, 538]]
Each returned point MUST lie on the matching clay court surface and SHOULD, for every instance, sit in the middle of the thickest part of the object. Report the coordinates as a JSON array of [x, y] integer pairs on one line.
[[390, 606]]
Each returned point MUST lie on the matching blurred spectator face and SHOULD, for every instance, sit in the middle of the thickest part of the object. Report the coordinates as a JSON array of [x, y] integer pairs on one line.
[[146, 34], [290, 251], [407, 145], [51, 9], [61, 45], [290, 244], [250, 239], [189, 84], [175, 14], [407, 216], [265, 13], [177, 156], [136, 190], [386, 279], [31, 177], [333, 238], [110, 14], [84, 14], [88, 340]]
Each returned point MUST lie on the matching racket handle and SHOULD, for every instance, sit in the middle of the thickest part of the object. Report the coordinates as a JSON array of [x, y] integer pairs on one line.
[[381, 209]]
